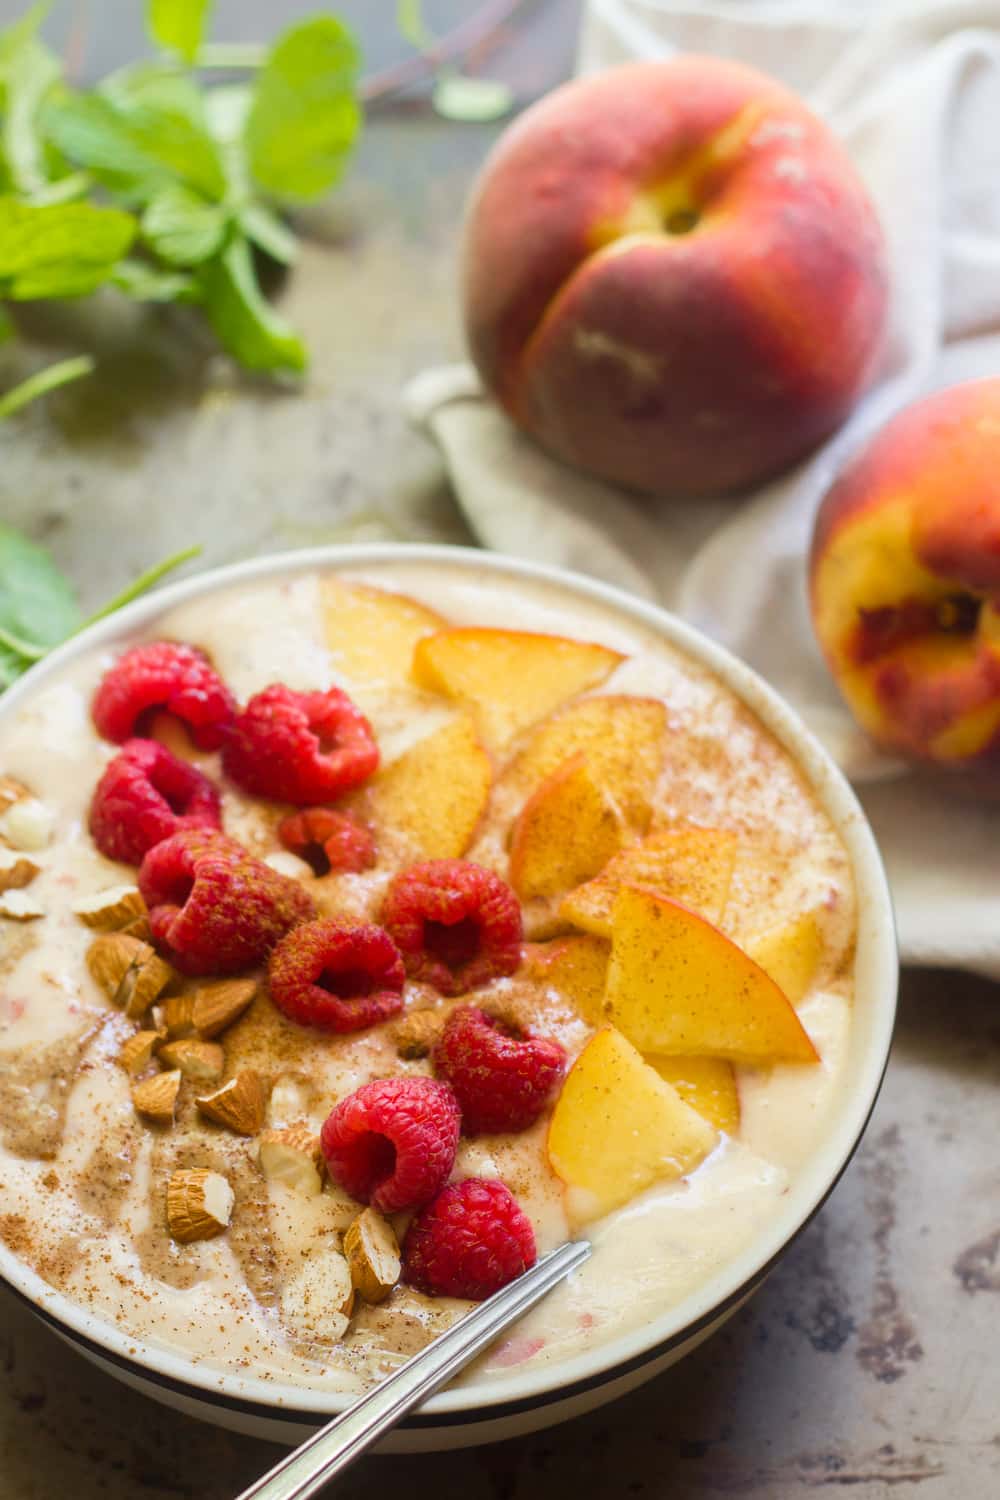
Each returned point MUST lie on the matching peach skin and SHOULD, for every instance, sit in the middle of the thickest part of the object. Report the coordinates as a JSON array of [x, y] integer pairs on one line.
[[905, 580], [673, 277]]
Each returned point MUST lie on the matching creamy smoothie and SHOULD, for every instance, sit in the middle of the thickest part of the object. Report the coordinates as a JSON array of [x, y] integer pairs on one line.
[[83, 1175]]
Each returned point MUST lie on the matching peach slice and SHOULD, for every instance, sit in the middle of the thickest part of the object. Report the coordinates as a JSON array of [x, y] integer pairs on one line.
[[707, 1084], [371, 632], [436, 792], [576, 967], [566, 832], [790, 954], [622, 738], [691, 865], [509, 678], [677, 985], [617, 1127]]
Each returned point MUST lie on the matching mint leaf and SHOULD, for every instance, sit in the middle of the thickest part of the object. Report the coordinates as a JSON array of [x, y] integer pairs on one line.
[[37, 607], [59, 250], [147, 131], [181, 228], [244, 321], [268, 232], [178, 25], [304, 116], [144, 282], [27, 72]]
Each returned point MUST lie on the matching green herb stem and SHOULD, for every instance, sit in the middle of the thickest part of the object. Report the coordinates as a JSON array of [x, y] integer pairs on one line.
[[30, 650], [44, 381], [143, 583]]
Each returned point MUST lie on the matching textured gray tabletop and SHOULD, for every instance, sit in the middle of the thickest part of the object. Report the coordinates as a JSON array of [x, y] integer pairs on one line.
[[868, 1361]]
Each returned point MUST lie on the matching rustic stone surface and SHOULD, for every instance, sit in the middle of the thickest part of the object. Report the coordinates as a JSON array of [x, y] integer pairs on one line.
[[867, 1363]]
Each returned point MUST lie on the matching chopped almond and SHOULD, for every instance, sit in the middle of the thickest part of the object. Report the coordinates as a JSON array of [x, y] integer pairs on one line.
[[199, 1205], [216, 1006], [111, 910], [16, 871], [238, 1104], [200, 1061], [27, 824], [319, 1298], [292, 1156], [137, 1051], [414, 1036], [156, 1097], [128, 970], [372, 1252], [19, 906], [11, 791], [178, 1015]]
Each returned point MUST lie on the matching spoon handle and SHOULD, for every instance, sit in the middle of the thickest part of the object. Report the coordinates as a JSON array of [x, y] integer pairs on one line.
[[336, 1445]]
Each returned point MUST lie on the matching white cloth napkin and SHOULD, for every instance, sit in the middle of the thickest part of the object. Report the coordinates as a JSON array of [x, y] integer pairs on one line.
[[913, 90]]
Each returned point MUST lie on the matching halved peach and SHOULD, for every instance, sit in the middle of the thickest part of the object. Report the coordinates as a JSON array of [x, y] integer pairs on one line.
[[690, 865], [679, 986], [622, 738], [707, 1084], [371, 632], [509, 678], [617, 1127], [575, 967], [566, 831], [790, 954], [436, 792]]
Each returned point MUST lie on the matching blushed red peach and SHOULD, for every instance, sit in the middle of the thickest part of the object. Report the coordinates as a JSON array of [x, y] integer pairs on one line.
[[905, 579], [674, 278]]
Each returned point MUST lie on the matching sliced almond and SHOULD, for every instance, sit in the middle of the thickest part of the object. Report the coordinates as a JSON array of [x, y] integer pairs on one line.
[[239, 1104], [317, 1300], [292, 1156], [414, 1036], [137, 1051], [372, 1252], [178, 1015], [199, 1205], [200, 1061], [27, 824], [138, 927], [216, 1006], [111, 910], [156, 1097], [19, 906], [16, 870]]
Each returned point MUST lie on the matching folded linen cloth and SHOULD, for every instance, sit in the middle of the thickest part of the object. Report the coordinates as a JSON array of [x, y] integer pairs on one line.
[[913, 90]]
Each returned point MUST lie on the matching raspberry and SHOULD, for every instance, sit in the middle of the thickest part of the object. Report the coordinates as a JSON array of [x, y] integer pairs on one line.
[[469, 1242], [502, 1079], [337, 975], [331, 842], [146, 794], [213, 906], [392, 1143], [300, 747], [456, 924], [168, 676]]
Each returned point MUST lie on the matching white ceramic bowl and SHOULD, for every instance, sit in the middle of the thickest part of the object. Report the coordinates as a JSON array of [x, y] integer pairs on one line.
[[523, 1403]]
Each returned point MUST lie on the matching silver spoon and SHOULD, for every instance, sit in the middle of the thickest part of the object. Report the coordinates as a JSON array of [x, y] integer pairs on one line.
[[341, 1441]]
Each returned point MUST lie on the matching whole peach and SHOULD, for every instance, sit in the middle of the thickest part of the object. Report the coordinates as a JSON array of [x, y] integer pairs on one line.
[[905, 580], [673, 277]]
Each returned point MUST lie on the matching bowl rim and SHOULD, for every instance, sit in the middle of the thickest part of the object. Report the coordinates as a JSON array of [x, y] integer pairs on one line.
[[814, 1180]]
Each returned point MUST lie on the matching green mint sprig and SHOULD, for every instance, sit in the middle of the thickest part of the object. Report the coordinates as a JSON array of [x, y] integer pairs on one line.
[[163, 189], [38, 609]]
